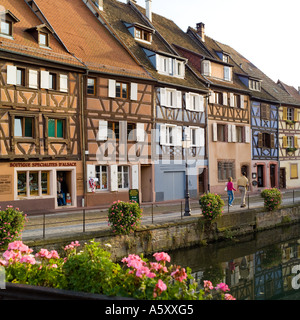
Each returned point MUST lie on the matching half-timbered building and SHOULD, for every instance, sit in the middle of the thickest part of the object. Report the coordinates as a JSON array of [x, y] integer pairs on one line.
[[178, 101], [40, 138], [117, 99]]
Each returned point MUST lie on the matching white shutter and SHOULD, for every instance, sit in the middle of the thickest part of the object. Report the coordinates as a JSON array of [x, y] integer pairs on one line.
[[91, 173], [134, 91], [178, 141], [114, 177], [225, 99], [163, 97], [247, 134], [200, 137], [215, 132], [135, 177], [231, 97], [170, 66], [242, 101], [33, 79], [200, 103], [233, 133], [63, 83], [206, 68], [158, 63], [140, 132], [111, 88], [163, 134], [102, 131], [211, 97], [11, 75], [45, 79], [187, 101], [229, 133], [187, 134], [178, 96]]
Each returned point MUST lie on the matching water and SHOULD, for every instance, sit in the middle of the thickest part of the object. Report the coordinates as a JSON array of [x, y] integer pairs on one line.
[[255, 267]]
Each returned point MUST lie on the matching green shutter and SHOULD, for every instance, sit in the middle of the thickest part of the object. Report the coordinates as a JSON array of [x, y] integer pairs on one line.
[[28, 127], [60, 129]]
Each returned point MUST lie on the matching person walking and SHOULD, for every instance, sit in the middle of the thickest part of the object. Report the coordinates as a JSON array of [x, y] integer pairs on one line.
[[230, 189], [243, 184]]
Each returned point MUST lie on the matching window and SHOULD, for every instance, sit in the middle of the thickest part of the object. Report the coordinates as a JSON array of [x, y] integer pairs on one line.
[[290, 141], [123, 177], [131, 132], [20, 77], [294, 171], [23, 127], [141, 34], [237, 100], [225, 58], [6, 28], [266, 140], [170, 135], [226, 169], [33, 183], [113, 130], [101, 175], [121, 90], [91, 86], [218, 97], [221, 132], [193, 133], [254, 85], [43, 39], [290, 114], [265, 111], [52, 81], [56, 128], [170, 66], [239, 134], [227, 73]]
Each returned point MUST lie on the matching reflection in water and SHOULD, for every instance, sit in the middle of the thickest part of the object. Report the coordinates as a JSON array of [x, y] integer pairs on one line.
[[257, 269]]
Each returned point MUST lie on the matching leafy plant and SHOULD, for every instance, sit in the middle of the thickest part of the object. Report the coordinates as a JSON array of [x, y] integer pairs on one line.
[[12, 222], [124, 217], [211, 206], [272, 198]]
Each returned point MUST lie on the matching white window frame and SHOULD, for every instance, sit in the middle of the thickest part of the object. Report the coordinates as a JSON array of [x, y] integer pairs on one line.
[[227, 73], [99, 176], [122, 173]]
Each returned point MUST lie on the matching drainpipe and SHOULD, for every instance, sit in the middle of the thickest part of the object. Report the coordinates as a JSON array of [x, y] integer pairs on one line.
[[207, 139]]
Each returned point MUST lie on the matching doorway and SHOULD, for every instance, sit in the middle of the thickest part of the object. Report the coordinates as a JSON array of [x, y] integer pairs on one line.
[[202, 180], [260, 175], [65, 185], [146, 183], [282, 178], [273, 175]]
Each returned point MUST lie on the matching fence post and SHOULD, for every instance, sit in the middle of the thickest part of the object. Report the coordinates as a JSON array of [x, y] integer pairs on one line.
[[228, 204], [44, 225], [181, 209], [83, 221], [248, 201], [152, 212], [293, 196]]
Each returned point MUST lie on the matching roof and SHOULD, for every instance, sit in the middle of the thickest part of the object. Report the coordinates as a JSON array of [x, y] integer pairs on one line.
[[88, 39], [290, 90], [24, 43], [118, 14]]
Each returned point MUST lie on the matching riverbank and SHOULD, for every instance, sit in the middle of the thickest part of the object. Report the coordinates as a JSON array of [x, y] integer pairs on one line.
[[188, 232]]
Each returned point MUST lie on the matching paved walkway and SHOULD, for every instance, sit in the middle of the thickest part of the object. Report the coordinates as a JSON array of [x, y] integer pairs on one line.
[[54, 225]]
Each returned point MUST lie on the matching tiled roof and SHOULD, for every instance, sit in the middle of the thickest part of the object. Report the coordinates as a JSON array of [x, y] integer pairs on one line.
[[88, 39], [24, 43], [290, 90], [117, 14]]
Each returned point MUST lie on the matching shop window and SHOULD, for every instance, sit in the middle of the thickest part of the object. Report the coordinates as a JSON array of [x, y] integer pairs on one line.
[[23, 127], [33, 183], [101, 176], [56, 128], [123, 177]]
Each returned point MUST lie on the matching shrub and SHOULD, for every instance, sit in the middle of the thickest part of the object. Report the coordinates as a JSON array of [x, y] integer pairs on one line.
[[12, 222], [211, 206], [124, 217], [272, 198]]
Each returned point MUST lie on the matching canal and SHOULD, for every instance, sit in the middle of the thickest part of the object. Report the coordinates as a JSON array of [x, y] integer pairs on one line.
[[255, 267]]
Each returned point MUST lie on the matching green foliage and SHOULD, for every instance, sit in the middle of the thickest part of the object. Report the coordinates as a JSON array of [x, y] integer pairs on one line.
[[12, 222], [211, 206], [124, 217], [272, 198]]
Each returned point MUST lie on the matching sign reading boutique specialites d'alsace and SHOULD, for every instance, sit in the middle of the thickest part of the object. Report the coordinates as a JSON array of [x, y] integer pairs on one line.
[[41, 164]]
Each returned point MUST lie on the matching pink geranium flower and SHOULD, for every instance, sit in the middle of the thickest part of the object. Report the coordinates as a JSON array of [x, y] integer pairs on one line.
[[162, 256]]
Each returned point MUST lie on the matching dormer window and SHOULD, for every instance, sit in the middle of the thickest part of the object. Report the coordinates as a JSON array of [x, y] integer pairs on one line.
[[144, 35], [41, 34], [140, 32], [254, 84], [225, 58], [7, 20], [170, 66]]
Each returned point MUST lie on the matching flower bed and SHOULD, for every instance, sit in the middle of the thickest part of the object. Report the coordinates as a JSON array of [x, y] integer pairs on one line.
[[272, 198]]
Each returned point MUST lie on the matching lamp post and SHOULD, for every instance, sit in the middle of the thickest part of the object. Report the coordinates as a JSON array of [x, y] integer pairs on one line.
[[186, 145]]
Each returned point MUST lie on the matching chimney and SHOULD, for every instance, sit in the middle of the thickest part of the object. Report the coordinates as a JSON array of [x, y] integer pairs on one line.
[[99, 4], [201, 30], [149, 9]]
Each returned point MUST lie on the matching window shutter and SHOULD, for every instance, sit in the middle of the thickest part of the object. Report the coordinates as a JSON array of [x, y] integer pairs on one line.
[[91, 173], [140, 132], [247, 134], [45, 79], [211, 97], [187, 133], [227, 73], [229, 134], [225, 99], [200, 137], [178, 99], [178, 130], [170, 66], [215, 132], [33, 79], [163, 134], [242, 99], [63, 82], [163, 97], [272, 138], [295, 142], [11, 75], [284, 113], [135, 177], [134, 91], [102, 131], [111, 88], [158, 63], [233, 134], [231, 97], [200, 100], [294, 171], [114, 177], [206, 68], [284, 142], [188, 101], [295, 114], [259, 140]]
